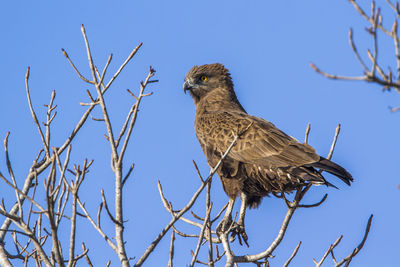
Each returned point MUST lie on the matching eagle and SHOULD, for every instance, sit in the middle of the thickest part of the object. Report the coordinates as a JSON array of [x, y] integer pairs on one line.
[[264, 159]]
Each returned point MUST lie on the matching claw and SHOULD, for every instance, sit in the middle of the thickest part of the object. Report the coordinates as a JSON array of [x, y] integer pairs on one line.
[[239, 231], [227, 225], [224, 225]]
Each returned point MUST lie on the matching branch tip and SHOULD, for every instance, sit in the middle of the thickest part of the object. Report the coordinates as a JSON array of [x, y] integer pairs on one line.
[[27, 73]]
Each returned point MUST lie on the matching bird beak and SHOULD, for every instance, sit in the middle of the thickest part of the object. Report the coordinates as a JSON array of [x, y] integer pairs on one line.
[[187, 85]]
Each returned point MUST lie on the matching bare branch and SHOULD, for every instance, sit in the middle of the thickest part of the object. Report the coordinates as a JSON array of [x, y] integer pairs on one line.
[[56, 249], [21, 193], [315, 204], [73, 66], [220, 212], [337, 77], [105, 69], [131, 55], [366, 17], [359, 247], [337, 131], [151, 247], [49, 117], [208, 223], [46, 147], [201, 235], [134, 115], [353, 46], [11, 172], [100, 97], [330, 249], [307, 133], [89, 262], [370, 76], [128, 174], [396, 46], [292, 206], [171, 250], [274, 244], [123, 129], [108, 240], [106, 206], [374, 34], [293, 255]]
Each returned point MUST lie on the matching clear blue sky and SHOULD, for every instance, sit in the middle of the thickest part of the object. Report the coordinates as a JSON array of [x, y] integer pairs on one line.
[[267, 45]]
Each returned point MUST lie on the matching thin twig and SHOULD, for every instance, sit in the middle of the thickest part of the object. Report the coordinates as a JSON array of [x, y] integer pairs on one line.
[[208, 226], [396, 47], [293, 255], [134, 115], [73, 66], [366, 17], [89, 262], [22, 194], [374, 33], [337, 131], [330, 249], [359, 247], [353, 46], [307, 133], [11, 172], [128, 174], [99, 230], [49, 117], [131, 55], [337, 77], [171, 250], [315, 204], [200, 240], [106, 206], [46, 146]]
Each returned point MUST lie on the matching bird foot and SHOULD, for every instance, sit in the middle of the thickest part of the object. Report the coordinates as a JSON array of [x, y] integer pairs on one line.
[[227, 225], [224, 225], [239, 231]]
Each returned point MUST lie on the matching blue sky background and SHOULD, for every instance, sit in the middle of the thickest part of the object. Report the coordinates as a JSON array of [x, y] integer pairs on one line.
[[267, 45]]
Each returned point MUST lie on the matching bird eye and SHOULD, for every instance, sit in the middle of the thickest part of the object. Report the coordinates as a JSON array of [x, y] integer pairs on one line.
[[203, 78]]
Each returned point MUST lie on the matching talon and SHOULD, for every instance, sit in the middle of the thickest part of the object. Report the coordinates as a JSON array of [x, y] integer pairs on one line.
[[224, 225], [239, 231]]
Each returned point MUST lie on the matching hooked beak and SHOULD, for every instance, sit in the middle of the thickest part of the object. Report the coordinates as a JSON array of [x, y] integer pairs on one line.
[[187, 85]]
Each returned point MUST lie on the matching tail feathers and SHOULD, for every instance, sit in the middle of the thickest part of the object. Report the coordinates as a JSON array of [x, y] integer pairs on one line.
[[333, 168]]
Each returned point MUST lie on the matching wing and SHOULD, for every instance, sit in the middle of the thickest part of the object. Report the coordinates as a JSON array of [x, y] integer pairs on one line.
[[262, 143]]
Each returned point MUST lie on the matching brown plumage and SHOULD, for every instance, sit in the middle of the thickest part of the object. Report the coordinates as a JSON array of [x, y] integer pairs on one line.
[[265, 159]]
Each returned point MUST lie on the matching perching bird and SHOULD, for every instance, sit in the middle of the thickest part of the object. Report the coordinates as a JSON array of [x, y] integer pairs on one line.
[[264, 159]]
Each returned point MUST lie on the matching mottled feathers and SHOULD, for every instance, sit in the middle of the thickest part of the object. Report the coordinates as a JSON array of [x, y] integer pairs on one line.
[[265, 159]]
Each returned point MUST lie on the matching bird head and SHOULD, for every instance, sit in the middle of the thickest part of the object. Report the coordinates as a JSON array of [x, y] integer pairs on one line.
[[201, 80]]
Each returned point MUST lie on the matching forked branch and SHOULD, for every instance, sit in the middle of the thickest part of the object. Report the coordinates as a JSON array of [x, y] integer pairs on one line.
[[375, 73]]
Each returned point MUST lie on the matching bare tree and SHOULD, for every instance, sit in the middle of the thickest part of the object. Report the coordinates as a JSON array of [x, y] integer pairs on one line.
[[388, 77], [62, 190], [33, 222]]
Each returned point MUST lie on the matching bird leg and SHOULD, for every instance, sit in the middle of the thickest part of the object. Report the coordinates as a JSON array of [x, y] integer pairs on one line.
[[243, 206], [226, 222], [239, 228]]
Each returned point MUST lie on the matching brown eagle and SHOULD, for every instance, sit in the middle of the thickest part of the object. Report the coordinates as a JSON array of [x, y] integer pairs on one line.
[[264, 159]]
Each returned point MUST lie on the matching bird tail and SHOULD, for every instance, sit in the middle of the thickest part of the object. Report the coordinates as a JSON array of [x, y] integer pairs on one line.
[[333, 168]]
